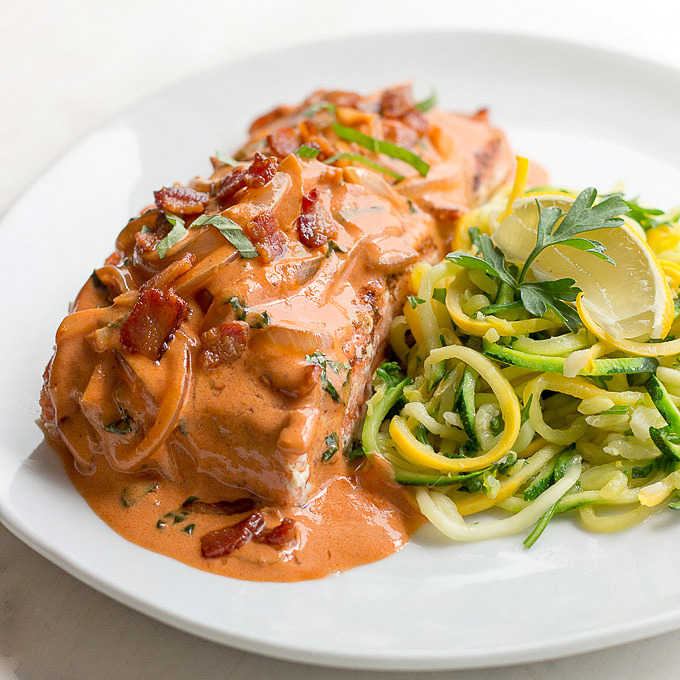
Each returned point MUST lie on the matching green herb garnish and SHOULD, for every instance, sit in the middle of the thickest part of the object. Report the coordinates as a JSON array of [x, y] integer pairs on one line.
[[238, 307], [176, 234], [390, 373], [319, 106], [333, 247], [227, 160], [439, 294], [332, 445], [231, 231], [320, 359], [380, 146], [426, 104], [121, 426], [414, 301], [189, 529], [539, 296], [358, 158], [306, 151]]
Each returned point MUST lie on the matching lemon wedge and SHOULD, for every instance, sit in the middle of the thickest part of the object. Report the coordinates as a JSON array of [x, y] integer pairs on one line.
[[628, 300]]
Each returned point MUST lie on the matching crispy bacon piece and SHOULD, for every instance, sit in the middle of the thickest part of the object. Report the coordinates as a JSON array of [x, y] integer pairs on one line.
[[396, 132], [342, 98], [482, 115], [266, 235], [147, 240], [224, 343], [223, 542], [396, 101], [283, 141], [113, 258], [229, 186], [283, 534], [221, 507], [261, 170], [416, 121], [314, 227], [268, 118], [181, 200], [155, 317]]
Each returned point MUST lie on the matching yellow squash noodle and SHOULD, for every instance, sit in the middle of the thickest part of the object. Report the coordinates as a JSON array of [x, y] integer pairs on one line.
[[480, 327], [416, 452]]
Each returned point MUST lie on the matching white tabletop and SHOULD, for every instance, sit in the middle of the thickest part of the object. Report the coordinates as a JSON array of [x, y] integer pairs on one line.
[[69, 65]]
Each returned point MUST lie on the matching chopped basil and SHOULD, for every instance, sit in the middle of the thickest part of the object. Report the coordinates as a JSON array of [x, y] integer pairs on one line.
[[358, 158], [333, 247], [390, 373], [380, 146], [306, 151], [189, 529], [411, 207], [259, 319], [121, 426], [238, 307], [320, 359], [356, 452], [439, 294], [254, 319], [227, 160], [426, 104], [177, 233], [231, 231], [319, 106], [414, 301], [332, 445], [182, 428]]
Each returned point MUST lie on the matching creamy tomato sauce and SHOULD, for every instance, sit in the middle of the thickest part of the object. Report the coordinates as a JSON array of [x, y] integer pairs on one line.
[[359, 518], [226, 348]]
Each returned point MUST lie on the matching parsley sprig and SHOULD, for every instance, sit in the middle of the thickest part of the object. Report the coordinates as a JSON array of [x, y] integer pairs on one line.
[[554, 228]]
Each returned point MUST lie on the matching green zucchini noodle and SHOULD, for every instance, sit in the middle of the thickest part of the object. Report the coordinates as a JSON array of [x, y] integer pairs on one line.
[[487, 406]]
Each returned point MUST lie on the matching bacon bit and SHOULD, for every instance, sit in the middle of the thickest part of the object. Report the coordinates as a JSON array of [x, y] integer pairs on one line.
[[204, 298], [341, 98], [482, 115], [113, 258], [221, 507], [229, 186], [181, 200], [281, 535], [261, 170], [266, 235], [147, 241], [154, 319], [307, 128], [314, 227], [396, 101], [283, 141], [396, 132], [224, 343], [268, 118], [223, 542], [416, 121]]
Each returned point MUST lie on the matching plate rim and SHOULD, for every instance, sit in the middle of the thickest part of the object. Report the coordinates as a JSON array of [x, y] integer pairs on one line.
[[575, 643]]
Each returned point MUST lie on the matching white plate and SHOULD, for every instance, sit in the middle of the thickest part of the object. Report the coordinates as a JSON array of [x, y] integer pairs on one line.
[[592, 117]]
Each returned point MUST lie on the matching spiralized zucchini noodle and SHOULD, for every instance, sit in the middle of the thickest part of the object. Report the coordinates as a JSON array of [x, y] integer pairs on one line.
[[488, 406]]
